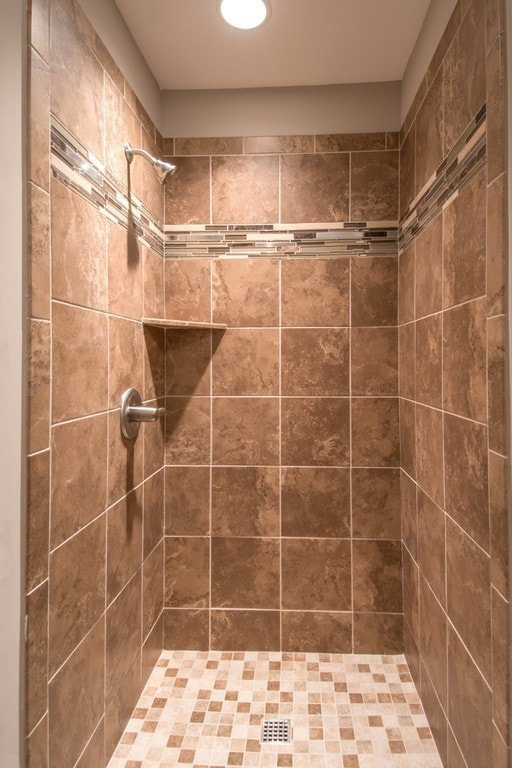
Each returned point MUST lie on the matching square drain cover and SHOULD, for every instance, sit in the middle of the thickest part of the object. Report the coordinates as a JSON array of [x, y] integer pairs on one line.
[[276, 732]]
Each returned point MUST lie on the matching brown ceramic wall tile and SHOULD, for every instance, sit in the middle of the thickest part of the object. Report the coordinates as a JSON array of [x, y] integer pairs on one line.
[[187, 430], [464, 77], [187, 362], [245, 189], [378, 633], [152, 589], [374, 361], [246, 362], [469, 703], [377, 576], [124, 542], [468, 595], [38, 408], [407, 344], [38, 249], [72, 718], [256, 145], [433, 641], [315, 362], [36, 655], [121, 127], [498, 503], [153, 283], [496, 247], [464, 360], [428, 263], [125, 460], [375, 433], [187, 501], [316, 574], [124, 273], [408, 171], [77, 82], [465, 446], [219, 145], [153, 436], [496, 111], [429, 452], [187, 290], [119, 706], [36, 751], [409, 513], [374, 186], [411, 595], [374, 291], [246, 292], [349, 142], [187, 568], [315, 502], [245, 430], [315, 292], [406, 292], [496, 384], [79, 475], [79, 343], [500, 750], [153, 528], [187, 196], [500, 667], [245, 631], [315, 432], [39, 27], [152, 191], [429, 133], [38, 154], [315, 188], [154, 362], [435, 715], [125, 358], [408, 437], [151, 650], [38, 516], [245, 501], [123, 631], [186, 628], [312, 632], [432, 545], [464, 233], [94, 753], [428, 370], [75, 605], [376, 503], [245, 573]]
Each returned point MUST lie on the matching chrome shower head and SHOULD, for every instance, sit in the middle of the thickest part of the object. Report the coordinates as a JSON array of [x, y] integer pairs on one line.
[[162, 170]]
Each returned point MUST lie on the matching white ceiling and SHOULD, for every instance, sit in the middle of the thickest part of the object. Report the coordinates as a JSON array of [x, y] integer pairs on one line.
[[306, 42]]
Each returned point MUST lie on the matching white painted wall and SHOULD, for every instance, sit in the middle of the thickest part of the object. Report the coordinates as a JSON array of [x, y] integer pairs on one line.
[[12, 70], [435, 22], [106, 19], [358, 108]]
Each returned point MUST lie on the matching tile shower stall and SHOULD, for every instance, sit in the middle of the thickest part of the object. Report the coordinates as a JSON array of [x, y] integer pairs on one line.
[[331, 474]]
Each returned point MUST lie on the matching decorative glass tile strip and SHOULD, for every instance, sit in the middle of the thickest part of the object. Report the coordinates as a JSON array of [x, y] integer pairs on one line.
[[77, 168], [465, 160], [281, 240]]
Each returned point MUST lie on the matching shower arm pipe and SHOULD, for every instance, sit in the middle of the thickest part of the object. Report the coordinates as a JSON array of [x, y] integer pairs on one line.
[[162, 169]]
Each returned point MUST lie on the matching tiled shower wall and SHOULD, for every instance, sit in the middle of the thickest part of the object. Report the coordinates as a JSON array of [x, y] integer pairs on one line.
[[453, 412], [282, 446], [95, 503]]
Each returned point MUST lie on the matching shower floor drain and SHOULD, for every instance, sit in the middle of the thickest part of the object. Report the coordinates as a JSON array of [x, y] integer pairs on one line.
[[276, 732]]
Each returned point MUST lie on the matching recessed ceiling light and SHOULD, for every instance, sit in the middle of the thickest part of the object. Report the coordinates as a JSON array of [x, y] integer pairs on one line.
[[245, 14]]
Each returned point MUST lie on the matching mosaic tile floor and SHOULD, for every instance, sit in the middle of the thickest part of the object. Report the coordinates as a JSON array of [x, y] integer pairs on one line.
[[206, 709]]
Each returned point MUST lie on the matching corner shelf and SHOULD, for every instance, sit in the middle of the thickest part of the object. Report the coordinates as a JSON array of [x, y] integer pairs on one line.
[[157, 322]]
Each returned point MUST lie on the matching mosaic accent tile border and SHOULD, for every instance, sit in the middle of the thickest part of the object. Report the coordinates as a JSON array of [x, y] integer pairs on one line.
[[285, 240], [76, 167], [202, 709], [465, 160]]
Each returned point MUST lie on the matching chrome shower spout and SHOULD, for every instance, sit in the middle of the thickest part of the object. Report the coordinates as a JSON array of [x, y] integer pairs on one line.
[[162, 170]]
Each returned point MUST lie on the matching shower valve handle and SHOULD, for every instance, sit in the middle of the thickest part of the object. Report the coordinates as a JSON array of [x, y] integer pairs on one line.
[[133, 413]]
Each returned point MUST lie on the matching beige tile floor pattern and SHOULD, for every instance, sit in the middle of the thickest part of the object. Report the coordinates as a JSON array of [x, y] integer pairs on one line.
[[202, 710]]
